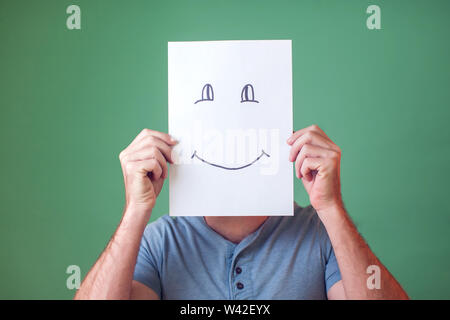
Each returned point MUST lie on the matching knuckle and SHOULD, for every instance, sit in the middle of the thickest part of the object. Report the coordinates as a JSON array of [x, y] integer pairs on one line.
[[152, 150], [125, 158], [156, 168], [150, 163], [306, 148], [308, 136], [156, 164], [129, 167], [164, 135], [151, 139], [334, 155]]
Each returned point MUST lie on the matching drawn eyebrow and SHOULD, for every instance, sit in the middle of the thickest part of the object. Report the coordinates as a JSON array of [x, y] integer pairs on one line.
[[207, 93], [248, 94]]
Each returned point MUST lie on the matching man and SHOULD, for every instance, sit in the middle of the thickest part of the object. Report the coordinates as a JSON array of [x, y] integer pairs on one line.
[[316, 254]]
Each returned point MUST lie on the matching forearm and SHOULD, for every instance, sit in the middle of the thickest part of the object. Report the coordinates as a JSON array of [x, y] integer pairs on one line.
[[111, 276], [354, 257]]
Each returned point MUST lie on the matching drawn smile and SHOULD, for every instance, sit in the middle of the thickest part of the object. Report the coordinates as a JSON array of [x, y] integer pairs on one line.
[[230, 168]]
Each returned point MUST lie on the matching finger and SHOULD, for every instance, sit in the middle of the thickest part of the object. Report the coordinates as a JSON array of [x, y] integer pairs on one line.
[[163, 147], [152, 141], [144, 135], [156, 170], [149, 153], [313, 128], [309, 165], [310, 138], [161, 135], [310, 151], [149, 167]]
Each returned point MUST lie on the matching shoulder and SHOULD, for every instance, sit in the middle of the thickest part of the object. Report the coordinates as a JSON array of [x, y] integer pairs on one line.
[[168, 237], [305, 225], [304, 218], [166, 227]]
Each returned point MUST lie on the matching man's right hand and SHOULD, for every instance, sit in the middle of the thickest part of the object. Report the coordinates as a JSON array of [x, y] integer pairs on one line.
[[144, 167]]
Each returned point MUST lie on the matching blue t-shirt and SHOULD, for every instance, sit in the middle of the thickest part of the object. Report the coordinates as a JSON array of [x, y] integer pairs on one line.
[[286, 258]]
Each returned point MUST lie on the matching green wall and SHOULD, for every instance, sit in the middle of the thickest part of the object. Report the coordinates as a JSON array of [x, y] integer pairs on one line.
[[71, 100]]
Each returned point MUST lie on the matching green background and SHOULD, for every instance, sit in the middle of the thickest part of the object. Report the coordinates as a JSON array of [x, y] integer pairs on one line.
[[71, 100]]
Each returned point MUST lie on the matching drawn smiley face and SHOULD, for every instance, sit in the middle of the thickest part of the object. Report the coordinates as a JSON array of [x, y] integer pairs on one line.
[[229, 105], [247, 96]]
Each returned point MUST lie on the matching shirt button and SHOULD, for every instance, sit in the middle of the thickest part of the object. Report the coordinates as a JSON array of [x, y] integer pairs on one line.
[[239, 285], [238, 270]]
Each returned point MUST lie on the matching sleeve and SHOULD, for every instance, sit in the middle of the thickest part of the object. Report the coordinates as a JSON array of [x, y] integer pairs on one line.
[[146, 270], [332, 273]]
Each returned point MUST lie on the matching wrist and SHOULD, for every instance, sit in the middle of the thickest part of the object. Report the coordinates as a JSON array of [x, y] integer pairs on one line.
[[139, 214], [333, 213]]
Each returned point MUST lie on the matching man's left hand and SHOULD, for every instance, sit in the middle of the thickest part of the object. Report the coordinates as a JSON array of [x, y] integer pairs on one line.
[[317, 164]]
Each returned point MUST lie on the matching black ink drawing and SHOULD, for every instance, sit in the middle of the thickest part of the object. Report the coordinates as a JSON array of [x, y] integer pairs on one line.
[[207, 93], [248, 94], [230, 168]]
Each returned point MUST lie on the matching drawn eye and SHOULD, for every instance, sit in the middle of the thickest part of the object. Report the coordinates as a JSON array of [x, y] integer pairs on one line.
[[248, 94], [207, 93]]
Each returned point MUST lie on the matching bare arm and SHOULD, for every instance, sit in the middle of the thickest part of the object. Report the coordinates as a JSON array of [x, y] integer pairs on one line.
[[317, 164], [354, 257], [111, 276], [144, 168]]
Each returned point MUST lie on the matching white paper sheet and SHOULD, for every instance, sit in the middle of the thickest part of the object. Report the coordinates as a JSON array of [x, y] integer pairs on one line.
[[230, 108]]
